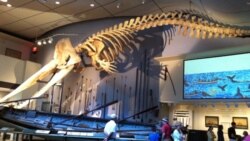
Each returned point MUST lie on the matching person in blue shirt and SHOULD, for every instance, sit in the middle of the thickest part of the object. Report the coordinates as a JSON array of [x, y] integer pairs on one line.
[[154, 136]]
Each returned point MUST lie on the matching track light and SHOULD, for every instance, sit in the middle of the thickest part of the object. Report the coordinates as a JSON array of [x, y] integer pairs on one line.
[[39, 43], [50, 40], [92, 4], [118, 4]]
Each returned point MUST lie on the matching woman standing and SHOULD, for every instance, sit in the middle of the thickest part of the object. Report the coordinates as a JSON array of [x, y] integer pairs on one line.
[[177, 135], [210, 134], [220, 133]]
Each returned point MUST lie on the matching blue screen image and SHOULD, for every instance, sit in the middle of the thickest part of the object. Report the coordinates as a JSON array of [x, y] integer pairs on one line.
[[225, 77]]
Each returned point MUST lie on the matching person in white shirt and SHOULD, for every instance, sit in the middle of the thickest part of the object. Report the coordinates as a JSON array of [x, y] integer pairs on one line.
[[177, 135], [210, 134], [110, 128]]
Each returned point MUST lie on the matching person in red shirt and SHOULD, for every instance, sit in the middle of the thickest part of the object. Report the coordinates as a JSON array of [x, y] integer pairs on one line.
[[166, 130]]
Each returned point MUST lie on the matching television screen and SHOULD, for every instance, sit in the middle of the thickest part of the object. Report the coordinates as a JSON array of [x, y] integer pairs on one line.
[[225, 77]]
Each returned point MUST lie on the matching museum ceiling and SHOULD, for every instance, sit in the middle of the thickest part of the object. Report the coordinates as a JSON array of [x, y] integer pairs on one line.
[[29, 19]]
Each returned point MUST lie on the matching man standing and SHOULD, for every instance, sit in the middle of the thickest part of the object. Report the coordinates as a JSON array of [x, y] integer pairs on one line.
[[166, 130], [231, 132]]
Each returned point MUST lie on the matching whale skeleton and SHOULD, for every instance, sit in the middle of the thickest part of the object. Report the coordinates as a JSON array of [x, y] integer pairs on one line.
[[104, 47]]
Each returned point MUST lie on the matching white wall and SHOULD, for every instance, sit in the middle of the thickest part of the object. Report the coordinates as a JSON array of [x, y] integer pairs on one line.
[[7, 41], [16, 71], [12, 69]]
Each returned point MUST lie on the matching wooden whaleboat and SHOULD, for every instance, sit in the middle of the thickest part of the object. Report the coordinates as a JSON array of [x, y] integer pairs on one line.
[[63, 125]]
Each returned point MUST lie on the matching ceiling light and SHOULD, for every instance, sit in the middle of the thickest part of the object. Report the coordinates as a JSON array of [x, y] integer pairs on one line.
[[4, 0], [118, 5], [9, 5], [50, 40], [39, 43], [92, 5], [57, 2], [248, 2], [143, 1]]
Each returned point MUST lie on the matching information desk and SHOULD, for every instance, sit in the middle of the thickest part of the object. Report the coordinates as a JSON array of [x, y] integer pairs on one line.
[[30, 135]]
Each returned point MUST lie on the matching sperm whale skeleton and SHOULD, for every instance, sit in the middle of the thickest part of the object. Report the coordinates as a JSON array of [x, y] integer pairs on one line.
[[105, 46]]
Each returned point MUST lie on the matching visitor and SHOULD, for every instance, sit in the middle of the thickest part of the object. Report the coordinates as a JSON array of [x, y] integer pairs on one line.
[[111, 128], [210, 134], [245, 134], [177, 134], [154, 136], [166, 130], [220, 133], [231, 132]]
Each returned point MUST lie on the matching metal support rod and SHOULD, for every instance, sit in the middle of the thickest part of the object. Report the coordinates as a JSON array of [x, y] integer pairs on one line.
[[61, 95], [105, 99], [51, 99], [124, 98], [136, 89], [139, 92], [147, 86], [144, 82], [80, 95]]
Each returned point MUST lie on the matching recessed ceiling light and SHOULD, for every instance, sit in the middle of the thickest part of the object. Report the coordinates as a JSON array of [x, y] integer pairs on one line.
[[57, 2], [248, 2], [118, 5], [9, 5], [143, 1], [4, 0], [92, 5]]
